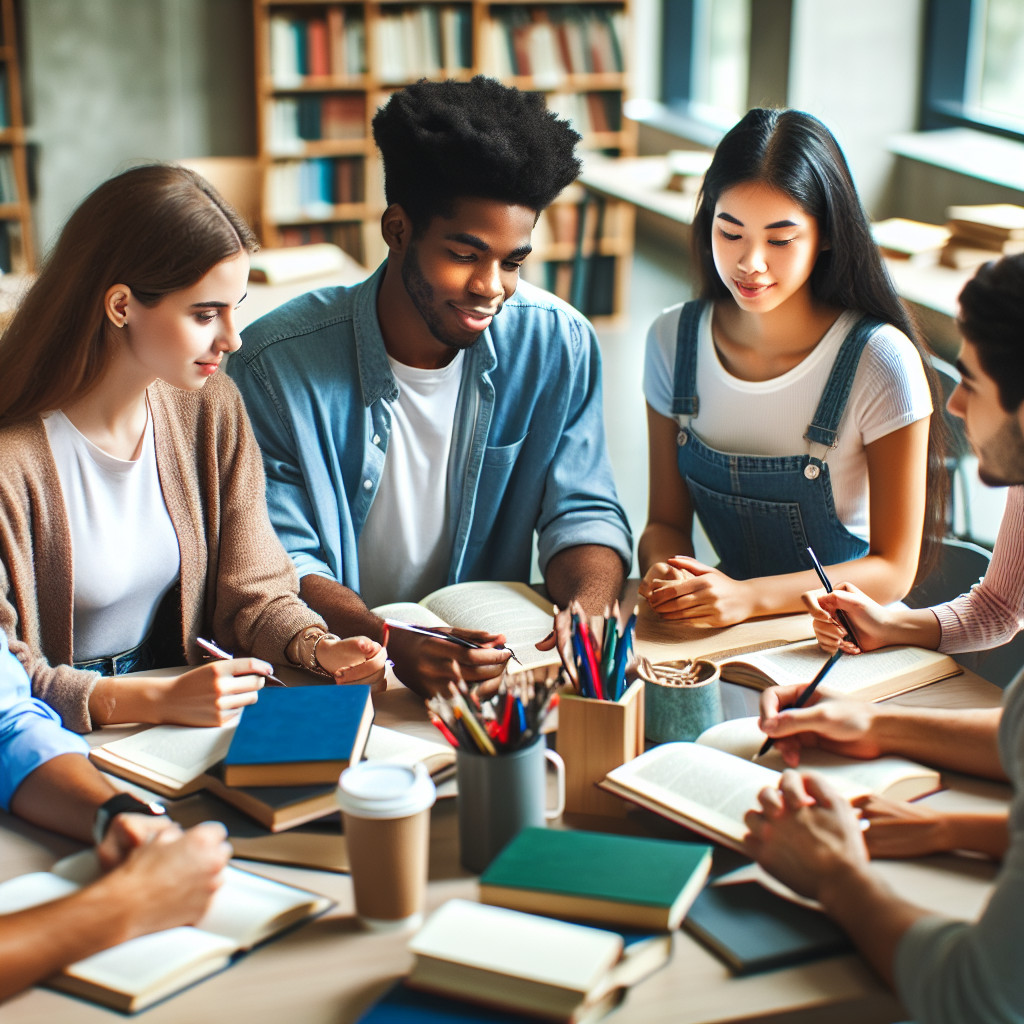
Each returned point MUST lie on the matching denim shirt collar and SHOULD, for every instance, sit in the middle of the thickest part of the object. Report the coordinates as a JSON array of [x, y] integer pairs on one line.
[[375, 376]]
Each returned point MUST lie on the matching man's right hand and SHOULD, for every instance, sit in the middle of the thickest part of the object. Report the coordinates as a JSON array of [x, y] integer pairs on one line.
[[170, 880], [427, 664], [841, 726]]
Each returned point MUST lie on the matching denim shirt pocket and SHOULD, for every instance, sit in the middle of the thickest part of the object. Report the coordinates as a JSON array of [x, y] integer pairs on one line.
[[499, 457]]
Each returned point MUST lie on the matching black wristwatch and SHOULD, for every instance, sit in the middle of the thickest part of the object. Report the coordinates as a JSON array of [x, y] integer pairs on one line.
[[122, 803]]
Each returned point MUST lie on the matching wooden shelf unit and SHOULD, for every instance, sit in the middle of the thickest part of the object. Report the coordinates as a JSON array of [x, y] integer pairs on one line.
[[17, 249], [323, 68]]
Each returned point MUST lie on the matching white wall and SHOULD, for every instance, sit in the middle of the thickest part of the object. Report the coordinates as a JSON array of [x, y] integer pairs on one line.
[[112, 82]]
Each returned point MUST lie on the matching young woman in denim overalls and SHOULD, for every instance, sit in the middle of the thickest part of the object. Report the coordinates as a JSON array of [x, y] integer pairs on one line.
[[789, 407]]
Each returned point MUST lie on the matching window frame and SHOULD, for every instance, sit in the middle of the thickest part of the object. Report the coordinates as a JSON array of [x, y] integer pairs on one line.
[[944, 81]]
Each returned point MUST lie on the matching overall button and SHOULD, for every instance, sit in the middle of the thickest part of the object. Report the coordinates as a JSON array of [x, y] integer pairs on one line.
[[682, 437], [812, 472], [367, 485], [376, 439]]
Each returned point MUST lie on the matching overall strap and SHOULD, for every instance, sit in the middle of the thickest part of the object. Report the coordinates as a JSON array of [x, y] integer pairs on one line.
[[824, 428], [684, 381]]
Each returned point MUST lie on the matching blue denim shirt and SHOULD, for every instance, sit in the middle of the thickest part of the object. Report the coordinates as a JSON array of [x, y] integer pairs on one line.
[[30, 731], [528, 449]]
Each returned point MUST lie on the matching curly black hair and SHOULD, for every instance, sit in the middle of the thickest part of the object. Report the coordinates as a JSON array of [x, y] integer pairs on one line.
[[992, 320], [441, 141]]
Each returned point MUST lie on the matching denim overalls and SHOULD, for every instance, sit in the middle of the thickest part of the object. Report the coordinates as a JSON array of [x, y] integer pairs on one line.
[[762, 512]]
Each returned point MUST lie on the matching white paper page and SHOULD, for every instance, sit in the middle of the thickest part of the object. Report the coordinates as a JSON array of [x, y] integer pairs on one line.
[[140, 964], [521, 945], [180, 752], [510, 608], [244, 906]]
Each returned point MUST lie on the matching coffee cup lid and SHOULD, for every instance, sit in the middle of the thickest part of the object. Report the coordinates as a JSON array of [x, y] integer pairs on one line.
[[376, 789]]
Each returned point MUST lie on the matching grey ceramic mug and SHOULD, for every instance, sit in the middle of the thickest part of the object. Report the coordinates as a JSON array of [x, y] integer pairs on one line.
[[500, 795], [674, 712]]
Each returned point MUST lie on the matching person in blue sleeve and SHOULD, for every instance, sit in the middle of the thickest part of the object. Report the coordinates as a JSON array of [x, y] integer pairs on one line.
[[419, 428], [157, 875]]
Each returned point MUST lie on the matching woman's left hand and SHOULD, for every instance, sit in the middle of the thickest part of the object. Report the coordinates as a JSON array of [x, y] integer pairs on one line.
[[356, 659], [706, 597]]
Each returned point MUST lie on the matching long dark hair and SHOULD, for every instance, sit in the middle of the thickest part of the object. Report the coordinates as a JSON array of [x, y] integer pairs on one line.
[[157, 228], [795, 153]]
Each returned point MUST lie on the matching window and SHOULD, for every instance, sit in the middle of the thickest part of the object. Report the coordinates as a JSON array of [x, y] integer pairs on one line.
[[974, 65], [705, 58]]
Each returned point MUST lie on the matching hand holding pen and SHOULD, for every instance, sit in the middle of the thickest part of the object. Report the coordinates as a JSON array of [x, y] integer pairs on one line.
[[804, 696], [840, 616], [427, 659]]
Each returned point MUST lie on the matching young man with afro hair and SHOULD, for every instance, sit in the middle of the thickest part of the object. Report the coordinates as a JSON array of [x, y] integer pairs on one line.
[[420, 427]]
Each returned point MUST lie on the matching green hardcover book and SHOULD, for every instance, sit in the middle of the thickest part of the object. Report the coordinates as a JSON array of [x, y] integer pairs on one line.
[[591, 876], [753, 929]]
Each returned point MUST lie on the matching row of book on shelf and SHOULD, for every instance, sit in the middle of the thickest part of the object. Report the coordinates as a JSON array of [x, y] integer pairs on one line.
[[292, 121], [971, 236], [561, 929], [423, 41], [411, 41], [332, 44], [549, 44], [311, 188]]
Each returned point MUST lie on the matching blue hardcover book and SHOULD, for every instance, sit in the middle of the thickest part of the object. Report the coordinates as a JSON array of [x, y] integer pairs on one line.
[[296, 736]]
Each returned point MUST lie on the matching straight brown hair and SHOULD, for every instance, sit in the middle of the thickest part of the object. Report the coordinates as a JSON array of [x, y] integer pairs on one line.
[[157, 228]]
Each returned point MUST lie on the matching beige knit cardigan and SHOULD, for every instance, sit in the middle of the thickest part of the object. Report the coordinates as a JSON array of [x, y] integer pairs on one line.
[[237, 582]]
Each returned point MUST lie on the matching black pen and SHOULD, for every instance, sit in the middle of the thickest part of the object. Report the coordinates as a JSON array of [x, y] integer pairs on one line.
[[454, 638], [841, 616], [214, 651], [805, 696]]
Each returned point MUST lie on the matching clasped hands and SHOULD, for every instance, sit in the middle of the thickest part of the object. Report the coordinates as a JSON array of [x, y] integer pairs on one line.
[[682, 588]]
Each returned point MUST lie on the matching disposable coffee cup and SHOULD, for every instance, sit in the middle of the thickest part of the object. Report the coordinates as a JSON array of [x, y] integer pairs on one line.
[[386, 816]]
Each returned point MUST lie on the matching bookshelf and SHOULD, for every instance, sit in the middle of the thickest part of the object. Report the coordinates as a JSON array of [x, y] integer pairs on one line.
[[17, 252], [323, 69]]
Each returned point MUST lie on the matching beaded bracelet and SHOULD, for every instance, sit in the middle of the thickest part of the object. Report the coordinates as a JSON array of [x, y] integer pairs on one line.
[[314, 662]]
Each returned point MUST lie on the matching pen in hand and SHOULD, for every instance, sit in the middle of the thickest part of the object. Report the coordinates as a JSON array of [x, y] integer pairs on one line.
[[804, 697], [214, 651], [841, 616], [454, 638]]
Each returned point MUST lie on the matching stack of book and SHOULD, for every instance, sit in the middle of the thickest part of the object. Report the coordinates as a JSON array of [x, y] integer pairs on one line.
[[982, 233]]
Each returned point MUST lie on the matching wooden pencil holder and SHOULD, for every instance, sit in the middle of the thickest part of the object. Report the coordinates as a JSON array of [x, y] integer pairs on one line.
[[595, 736]]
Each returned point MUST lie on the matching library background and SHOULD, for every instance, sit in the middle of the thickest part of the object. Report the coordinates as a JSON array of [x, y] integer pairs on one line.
[[273, 99]]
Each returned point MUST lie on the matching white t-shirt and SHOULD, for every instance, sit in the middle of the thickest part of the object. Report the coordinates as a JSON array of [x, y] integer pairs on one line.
[[770, 417], [405, 545], [124, 549]]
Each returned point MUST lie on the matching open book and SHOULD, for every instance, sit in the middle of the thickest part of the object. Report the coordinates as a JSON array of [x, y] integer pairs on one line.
[[873, 676], [246, 910], [535, 965], [710, 790], [514, 609], [175, 760]]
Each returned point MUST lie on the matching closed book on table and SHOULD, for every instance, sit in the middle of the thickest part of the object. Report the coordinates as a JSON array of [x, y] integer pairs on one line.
[[753, 929], [529, 964], [629, 881], [299, 735]]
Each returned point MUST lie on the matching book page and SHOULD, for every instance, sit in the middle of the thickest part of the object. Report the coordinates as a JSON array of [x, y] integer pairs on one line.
[[400, 748], [406, 611], [559, 953], [155, 964], [510, 608], [705, 785], [890, 775], [856, 674], [178, 752], [248, 908]]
